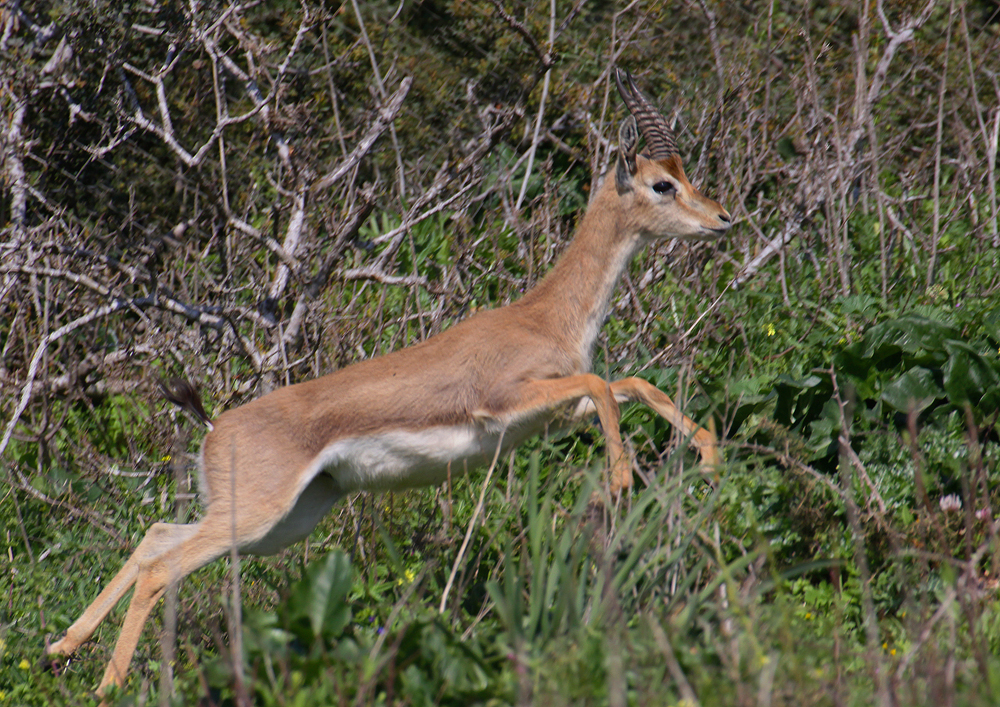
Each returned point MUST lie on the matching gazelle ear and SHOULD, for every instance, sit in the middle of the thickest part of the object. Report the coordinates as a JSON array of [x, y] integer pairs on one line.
[[628, 142]]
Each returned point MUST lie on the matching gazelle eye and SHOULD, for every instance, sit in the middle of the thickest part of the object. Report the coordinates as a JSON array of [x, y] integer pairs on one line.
[[664, 188]]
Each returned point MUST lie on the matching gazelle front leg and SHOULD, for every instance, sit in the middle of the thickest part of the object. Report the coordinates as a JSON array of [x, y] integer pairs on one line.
[[638, 390], [550, 393]]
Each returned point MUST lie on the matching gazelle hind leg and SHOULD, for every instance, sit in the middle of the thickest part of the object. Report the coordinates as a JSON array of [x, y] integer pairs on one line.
[[159, 537], [177, 552]]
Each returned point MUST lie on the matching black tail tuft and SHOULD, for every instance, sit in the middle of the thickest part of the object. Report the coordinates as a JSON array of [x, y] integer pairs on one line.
[[180, 392]]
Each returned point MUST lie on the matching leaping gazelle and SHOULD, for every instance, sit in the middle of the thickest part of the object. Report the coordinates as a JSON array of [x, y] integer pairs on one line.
[[403, 419]]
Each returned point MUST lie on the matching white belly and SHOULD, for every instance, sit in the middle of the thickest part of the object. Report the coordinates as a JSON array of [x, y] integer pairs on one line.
[[399, 460], [312, 504], [385, 461]]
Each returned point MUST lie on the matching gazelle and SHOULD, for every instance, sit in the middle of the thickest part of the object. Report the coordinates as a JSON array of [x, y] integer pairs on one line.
[[271, 469]]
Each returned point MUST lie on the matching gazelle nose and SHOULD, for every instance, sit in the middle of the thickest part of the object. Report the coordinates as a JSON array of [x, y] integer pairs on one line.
[[726, 219]]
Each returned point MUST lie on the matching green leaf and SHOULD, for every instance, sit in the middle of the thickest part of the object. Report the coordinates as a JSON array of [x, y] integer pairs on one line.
[[911, 335], [322, 595], [914, 390], [967, 374], [991, 326], [825, 428], [865, 305]]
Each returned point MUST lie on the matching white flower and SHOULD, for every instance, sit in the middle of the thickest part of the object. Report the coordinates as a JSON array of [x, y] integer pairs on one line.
[[950, 503]]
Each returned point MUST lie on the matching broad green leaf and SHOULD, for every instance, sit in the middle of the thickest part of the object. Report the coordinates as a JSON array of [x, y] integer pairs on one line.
[[825, 428], [911, 335], [329, 582], [991, 326], [865, 305], [967, 374], [914, 390]]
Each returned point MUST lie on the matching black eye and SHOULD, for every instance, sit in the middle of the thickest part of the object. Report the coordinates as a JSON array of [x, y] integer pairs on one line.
[[664, 188]]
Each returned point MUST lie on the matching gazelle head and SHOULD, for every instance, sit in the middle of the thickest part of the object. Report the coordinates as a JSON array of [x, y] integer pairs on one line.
[[655, 192]]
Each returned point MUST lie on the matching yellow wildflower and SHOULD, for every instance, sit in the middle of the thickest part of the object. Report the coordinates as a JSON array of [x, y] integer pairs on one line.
[[407, 578]]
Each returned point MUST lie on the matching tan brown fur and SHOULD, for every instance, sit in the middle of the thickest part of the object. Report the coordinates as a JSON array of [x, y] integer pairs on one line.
[[402, 419]]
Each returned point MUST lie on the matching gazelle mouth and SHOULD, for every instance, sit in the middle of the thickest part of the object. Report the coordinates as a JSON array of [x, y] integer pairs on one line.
[[713, 233]]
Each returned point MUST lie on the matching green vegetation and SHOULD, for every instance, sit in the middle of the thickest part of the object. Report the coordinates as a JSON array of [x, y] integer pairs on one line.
[[845, 553]]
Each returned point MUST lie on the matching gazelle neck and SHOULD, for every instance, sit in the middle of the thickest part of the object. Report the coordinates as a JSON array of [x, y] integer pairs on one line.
[[574, 297]]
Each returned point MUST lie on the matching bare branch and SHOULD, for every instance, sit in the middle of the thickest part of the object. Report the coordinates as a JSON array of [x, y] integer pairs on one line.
[[381, 90], [348, 231], [25, 486], [269, 242], [374, 273], [544, 58], [165, 133], [386, 114], [445, 177], [774, 246], [541, 110], [814, 190], [14, 144], [896, 39], [36, 359], [293, 236], [304, 26], [396, 234]]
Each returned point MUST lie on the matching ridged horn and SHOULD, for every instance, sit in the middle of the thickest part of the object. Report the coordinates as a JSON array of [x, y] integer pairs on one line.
[[654, 127]]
